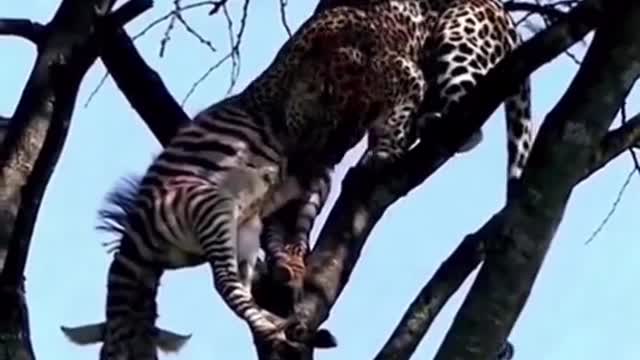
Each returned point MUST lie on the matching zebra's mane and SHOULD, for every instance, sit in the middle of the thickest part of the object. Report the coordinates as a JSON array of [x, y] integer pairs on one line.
[[120, 202]]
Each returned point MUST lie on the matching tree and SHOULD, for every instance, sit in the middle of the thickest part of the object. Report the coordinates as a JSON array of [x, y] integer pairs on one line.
[[573, 143]]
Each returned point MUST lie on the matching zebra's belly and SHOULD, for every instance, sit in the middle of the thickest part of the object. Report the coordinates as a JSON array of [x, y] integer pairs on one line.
[[178, 249], [176, 258]]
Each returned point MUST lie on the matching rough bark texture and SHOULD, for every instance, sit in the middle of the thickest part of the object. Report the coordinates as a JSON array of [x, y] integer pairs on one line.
[[34, 140], [572, 144], [141, 85], [538, 50], [571, 133], [362, 203]]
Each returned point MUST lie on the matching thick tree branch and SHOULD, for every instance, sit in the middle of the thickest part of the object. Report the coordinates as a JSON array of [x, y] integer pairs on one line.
[[455, 269], [362, 203], [615, 143], [65, 82], [141, 85], [434, 295], [33, 143], [68, 30], [562, 152], [24, 28]]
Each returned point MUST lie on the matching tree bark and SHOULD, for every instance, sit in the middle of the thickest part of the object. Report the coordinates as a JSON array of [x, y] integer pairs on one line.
[[34, 140], [362, 203], [570, 135]]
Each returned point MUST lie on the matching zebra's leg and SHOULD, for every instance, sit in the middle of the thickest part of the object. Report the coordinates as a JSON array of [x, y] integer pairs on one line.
[[289, 265], [248, 247], [130, 308], [277, 227], [389, 135], [129, 332], [216, 224]]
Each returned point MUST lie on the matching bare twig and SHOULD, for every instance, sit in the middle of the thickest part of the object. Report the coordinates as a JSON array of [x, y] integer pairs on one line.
[[195, 33], [283, 16], [204, 76], [572, 57], [528, 23], [614, 207], [184, 8], [172, 22], [95, 90], [176, 15], [232, 42], [636, 169], [216, 7], [27, 29], [168, 16], [545, 11], [141, 85], [233, 54], [235, 48]]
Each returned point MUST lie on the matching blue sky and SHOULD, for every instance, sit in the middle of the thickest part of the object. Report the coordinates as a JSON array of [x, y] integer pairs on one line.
[[580, 307]]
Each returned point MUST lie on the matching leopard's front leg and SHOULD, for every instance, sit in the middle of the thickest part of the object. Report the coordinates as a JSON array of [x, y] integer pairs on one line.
[[391, 133]]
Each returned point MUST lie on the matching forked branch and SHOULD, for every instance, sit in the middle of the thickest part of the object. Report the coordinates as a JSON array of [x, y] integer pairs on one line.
[[363, 202], [615, 143]]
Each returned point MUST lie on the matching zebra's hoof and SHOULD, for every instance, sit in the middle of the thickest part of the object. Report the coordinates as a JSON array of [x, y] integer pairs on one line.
[[296, 331], [506, 352], [282, 273], [324, 339], [321, 339]]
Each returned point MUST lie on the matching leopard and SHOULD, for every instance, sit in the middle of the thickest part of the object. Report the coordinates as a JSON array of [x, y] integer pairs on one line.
[[465, 40]]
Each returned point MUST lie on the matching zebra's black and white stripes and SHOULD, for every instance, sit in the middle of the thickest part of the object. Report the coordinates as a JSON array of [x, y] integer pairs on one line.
[[201, 200]]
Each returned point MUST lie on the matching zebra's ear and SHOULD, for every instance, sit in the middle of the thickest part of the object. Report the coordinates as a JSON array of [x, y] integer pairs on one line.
[[170, 342], [86, 334]]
